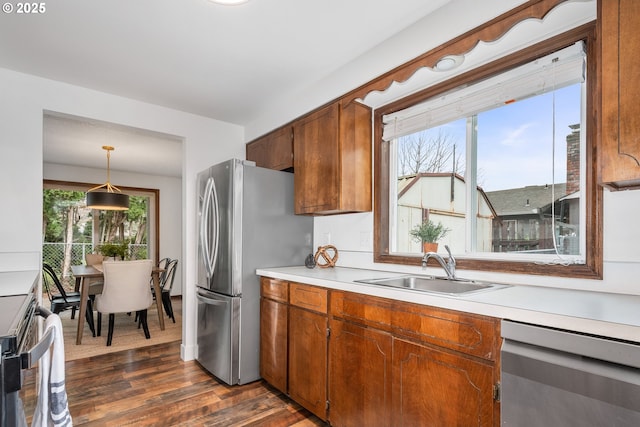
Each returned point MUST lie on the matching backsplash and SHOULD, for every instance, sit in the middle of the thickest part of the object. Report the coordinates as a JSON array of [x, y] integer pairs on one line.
[[352, 235]]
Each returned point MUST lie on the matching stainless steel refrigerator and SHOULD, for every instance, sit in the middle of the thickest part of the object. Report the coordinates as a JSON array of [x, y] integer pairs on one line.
[[245, 221]]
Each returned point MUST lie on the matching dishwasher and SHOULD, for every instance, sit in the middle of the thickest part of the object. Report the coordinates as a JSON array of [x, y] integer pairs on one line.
[[558, 378]]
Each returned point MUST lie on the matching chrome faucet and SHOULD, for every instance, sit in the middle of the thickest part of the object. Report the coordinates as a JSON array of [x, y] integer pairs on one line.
[[449, 266]]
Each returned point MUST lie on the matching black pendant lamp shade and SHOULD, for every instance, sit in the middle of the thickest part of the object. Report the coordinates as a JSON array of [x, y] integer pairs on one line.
[[107, 201], [107, 197]]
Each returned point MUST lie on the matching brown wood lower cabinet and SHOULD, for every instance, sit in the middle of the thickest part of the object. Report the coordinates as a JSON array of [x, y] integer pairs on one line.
[[380, 362], [438, 388], [360, 376], [274, 317], [308, 360]]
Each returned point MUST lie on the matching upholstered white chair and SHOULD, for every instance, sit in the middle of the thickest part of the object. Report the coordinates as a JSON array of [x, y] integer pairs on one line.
[[126, 290]]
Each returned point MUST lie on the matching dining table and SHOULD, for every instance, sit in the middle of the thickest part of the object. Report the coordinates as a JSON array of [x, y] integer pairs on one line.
[[84, 272]]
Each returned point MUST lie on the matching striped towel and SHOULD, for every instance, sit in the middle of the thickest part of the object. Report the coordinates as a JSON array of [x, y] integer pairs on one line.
[[52, 408]]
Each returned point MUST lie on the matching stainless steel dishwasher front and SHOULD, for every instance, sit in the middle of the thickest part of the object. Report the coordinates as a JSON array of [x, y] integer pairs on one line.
[[559, 378]]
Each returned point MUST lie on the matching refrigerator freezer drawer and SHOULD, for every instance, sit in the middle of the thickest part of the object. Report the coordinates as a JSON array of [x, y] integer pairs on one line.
[[219, 334]]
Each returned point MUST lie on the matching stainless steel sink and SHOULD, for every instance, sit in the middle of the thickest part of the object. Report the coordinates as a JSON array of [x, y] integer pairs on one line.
[[434, 284]]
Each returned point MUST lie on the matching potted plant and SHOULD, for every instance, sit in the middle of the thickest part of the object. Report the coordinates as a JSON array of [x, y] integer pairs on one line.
[[428, 233], [114, 250]]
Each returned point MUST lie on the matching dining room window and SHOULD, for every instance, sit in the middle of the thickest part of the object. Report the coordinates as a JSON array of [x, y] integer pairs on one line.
[[71, 230]]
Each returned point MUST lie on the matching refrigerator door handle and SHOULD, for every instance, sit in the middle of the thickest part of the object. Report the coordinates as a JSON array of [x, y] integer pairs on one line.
[[209, 207], [210, 301], [216, 229], [204, 226]]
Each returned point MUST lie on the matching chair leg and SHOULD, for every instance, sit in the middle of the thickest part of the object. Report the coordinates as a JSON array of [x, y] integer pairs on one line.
[[89, 316], [73, 312], [166, 302], [145, 326], [112, 319], [99, 323]]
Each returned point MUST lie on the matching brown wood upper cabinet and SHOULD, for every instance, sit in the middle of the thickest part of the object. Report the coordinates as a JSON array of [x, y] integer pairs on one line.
[[332, 160], [273, 150], [620, 127]]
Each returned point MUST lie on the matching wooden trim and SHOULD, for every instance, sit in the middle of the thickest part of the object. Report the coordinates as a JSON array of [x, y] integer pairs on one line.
[[487, 32], [592, 269]]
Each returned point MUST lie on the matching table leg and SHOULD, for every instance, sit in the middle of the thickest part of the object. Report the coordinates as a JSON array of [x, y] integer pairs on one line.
[[84, 295], [158, 291]]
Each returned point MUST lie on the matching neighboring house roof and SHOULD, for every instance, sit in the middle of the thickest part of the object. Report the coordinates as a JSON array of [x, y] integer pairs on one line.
[[408, 181], [527, 200]]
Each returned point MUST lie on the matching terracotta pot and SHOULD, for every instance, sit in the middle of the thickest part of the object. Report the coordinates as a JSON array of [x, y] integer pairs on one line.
[[429, 247]]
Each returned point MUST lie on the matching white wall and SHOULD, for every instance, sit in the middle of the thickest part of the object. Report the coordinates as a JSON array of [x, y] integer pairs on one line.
[[23, 101], [170, 209]]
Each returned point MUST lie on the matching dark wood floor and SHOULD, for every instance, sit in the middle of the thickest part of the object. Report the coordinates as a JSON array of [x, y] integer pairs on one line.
[[153, 387]]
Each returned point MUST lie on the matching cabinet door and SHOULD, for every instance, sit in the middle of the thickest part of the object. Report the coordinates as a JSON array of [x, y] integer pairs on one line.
[[620, 38], [359, 376], [308, 359], [437, 388], [316, 161], [274, 150], [273, 343]]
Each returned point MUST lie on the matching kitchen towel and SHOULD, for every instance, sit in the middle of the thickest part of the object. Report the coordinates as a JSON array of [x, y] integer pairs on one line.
[[52, 408]]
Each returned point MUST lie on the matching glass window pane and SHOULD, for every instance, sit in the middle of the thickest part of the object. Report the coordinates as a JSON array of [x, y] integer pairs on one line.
[[430, 185], [531, 175]]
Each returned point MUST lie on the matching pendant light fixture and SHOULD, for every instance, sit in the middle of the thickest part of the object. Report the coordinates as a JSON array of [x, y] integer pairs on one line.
[[106, 196]]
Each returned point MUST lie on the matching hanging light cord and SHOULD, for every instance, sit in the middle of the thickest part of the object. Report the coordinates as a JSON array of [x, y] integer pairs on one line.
[[107, 185]]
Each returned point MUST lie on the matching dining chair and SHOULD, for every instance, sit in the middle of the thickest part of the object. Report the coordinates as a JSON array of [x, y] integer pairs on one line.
[[166, 286], [126, 289], [163, 265], [64, 300]]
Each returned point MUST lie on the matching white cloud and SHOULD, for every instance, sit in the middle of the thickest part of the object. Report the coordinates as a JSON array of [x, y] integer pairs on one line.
[[518, 136]]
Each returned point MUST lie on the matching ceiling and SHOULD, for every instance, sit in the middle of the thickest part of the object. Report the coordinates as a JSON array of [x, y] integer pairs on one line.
[[223, 62], [230, 63], [76, 141]]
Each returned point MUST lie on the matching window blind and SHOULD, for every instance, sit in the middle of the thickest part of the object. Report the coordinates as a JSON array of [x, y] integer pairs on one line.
[[554, 71]]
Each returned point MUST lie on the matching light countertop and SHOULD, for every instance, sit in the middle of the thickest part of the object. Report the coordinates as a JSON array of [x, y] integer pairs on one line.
[[599, 313], [17, 282]]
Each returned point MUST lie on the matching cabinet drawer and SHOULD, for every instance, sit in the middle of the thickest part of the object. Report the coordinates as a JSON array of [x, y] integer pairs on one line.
[[309, 297], [365, 310], [277, 290], [467, 333]]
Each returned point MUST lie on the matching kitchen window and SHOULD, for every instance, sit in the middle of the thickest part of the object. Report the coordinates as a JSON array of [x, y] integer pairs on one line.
[[504, 161]]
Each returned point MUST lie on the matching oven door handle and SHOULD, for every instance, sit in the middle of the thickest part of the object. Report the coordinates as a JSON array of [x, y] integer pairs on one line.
[[31, 357]]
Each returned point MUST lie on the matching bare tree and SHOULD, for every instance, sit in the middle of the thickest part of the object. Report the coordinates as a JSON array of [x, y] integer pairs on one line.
[[425, 152]]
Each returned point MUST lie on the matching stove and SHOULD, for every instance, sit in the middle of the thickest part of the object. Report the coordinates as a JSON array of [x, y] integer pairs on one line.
[[18, 334]]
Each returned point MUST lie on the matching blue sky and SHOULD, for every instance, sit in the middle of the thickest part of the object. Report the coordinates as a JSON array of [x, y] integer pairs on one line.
[[515, 141]]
